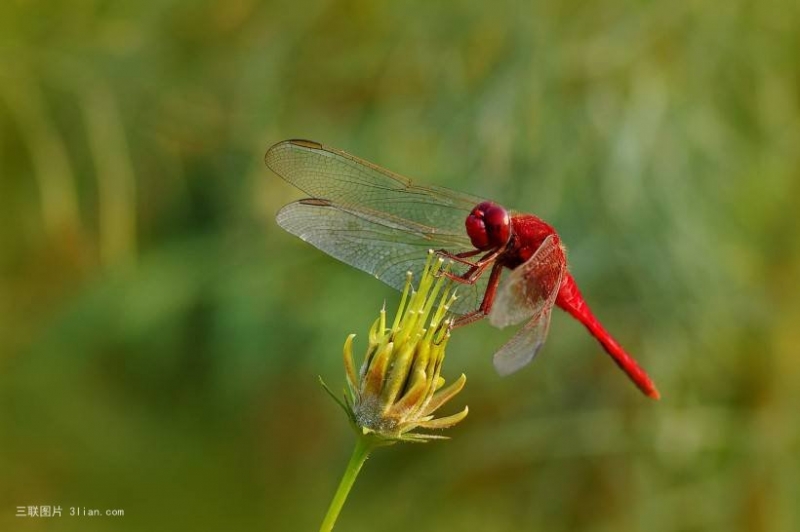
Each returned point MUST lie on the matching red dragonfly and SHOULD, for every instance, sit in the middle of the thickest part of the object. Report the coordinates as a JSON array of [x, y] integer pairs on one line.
[[384, 224]]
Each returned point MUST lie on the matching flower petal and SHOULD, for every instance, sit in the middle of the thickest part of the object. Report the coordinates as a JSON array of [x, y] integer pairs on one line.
[[442, 396], [350, 367], [444, 422]]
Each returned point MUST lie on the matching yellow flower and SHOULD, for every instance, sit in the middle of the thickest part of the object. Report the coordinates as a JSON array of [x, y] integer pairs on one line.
[[399, 385]]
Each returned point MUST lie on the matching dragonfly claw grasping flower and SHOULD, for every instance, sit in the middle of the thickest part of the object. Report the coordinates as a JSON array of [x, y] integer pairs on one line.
[[399, 385]]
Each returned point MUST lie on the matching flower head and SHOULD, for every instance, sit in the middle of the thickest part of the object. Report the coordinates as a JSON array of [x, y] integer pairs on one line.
[[399, 385]]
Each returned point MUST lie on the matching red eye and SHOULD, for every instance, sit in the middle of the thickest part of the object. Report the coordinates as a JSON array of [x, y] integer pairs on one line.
[[498, 225], [488, 226], [477, 230]]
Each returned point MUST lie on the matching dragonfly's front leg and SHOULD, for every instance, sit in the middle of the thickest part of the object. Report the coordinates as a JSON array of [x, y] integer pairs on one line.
[[475, 270], [488, 300], [461, 258]]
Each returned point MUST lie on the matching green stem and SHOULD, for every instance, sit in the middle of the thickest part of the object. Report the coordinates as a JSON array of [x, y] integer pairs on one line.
[[364, 446]]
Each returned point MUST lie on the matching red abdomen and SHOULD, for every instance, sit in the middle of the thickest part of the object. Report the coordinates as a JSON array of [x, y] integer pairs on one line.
[[570, 299], [528, 233]]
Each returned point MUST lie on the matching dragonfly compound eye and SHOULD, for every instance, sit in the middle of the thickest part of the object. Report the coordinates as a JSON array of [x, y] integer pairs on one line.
[[488, 226], [498, 225]]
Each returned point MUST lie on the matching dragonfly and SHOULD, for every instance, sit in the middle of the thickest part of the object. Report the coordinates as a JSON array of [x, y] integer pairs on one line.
[[512, 265]]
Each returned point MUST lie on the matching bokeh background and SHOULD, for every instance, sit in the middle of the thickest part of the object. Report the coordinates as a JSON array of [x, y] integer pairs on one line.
[[161, 337]]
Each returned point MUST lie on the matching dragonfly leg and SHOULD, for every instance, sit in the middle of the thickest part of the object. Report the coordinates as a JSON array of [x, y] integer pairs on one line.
[[475, 270], [488, 300], [459, 257], [470, 276]]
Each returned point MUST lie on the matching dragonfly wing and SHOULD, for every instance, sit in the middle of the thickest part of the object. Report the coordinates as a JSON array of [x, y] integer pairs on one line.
[[371, 218], [368, 241], [523, 346], [530, 287], [359, 186]]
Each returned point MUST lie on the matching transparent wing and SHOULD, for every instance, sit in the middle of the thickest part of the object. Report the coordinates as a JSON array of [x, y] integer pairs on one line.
[[529, 291], [523, 346], [531, 286], [368, 190], [362, 238], [369, 217]]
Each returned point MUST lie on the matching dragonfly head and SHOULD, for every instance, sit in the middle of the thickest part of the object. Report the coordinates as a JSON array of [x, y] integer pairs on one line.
[[488, 226]]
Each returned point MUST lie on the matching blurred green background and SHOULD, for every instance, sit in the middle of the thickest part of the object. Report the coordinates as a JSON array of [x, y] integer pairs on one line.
[[161, 337]]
